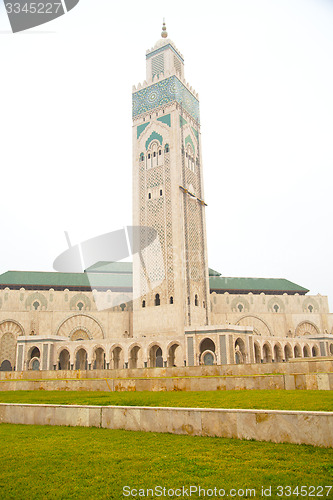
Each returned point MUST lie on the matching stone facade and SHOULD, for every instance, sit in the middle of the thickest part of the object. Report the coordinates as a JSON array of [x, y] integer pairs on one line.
[[180, 312]]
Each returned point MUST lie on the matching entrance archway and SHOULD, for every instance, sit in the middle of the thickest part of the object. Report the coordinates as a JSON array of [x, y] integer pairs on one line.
[[306, 351], [240, 352], [35, 364], [156, 357], [134, 355], [99, 361], [6, 366], [267, 353], [208, 358], [278, 355], [288, 352], [64, 360], [174, 353], [81, 359], [257, 357], [117, 358], [206, 344]]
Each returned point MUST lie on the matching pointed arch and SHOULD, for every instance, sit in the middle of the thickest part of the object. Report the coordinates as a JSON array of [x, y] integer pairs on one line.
[[153, 136], [85, 322]]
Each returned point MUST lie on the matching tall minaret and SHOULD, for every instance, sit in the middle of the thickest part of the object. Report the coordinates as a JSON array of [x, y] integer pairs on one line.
[[171, 276]]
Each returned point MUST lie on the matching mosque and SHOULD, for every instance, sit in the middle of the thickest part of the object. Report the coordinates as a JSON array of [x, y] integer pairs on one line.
[[168, 308]]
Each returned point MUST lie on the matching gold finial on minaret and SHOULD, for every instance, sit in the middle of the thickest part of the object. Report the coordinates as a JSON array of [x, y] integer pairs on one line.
[[164, 33]]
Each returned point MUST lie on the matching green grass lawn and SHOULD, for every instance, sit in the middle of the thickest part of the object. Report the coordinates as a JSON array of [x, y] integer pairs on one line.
[[40, 462], [271, 400]]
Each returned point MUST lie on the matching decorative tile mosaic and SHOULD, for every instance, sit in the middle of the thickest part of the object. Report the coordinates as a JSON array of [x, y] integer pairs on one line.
[[188, 140], [140, 129], [165, 119], [168, 90], [156, 136], [182, 121]]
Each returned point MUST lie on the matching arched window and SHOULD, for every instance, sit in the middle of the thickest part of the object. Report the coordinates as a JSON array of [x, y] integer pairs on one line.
[[190, 158], [149, 196], [142, 157], [240, 307], [123, 307], [80, 306], [310, 308], [171, 300], [36, 305], [35, 353], [166, 148], [161, 192], [196, 301], [276, 308], [143, 303], [157, 299]]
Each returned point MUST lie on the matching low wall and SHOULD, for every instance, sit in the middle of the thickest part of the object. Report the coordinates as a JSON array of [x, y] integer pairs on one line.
[[300, 427], [313, 381], [310, 365]]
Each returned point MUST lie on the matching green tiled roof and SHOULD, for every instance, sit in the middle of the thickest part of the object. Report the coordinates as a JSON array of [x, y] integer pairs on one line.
[[118, 275], [213, 273], [255, 285], [111, 267], [66, 280]]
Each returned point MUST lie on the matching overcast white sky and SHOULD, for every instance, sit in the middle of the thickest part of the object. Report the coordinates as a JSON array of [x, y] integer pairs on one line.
[[263, 69]]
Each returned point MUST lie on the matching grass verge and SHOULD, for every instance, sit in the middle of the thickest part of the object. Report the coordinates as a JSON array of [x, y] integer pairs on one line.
[[266, 400], [40, 462]]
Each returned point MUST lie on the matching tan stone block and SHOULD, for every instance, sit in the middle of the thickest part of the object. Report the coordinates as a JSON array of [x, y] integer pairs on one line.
[[289, 382], [323, 381], [219, 423], [300, 381]]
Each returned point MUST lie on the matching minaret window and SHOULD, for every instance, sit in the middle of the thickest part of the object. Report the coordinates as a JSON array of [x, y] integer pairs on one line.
[[149, 196], [190, 158], [157, 299], [166, 148], [157, 65], [142, 157], [161, 192], [196, 301], [171, 300], [143, 303]]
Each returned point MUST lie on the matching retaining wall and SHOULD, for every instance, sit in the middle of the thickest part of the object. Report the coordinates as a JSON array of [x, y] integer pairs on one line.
[[313, 381], [301, 427], [301, 365]]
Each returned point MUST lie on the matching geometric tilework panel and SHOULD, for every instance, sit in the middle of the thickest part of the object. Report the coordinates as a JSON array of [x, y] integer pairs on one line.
[[154, 136], [188, 140], [165, 119], [168, 90], [140, 129]]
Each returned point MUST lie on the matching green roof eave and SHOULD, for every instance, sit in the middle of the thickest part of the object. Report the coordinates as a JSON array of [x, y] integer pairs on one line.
[[256, 285], [65, 280]]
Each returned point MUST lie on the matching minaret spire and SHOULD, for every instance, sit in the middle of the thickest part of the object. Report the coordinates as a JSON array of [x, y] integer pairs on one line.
[[164, 33]]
